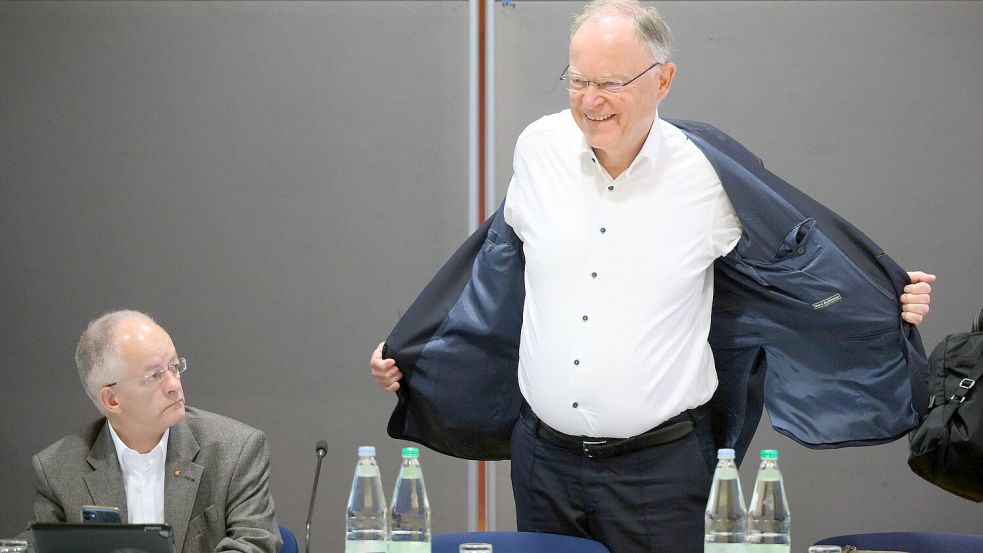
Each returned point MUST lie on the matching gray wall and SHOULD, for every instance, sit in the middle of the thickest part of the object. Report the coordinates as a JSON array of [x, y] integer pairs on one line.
[[276, 181]]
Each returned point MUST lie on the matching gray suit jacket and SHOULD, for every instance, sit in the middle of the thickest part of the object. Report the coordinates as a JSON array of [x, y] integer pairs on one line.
[[216, 483]]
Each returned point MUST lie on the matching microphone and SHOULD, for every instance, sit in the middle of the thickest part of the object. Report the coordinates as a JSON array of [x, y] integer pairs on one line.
[[321, 449]]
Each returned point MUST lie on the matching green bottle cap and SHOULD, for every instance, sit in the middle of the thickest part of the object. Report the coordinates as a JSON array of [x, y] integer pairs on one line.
[[411, 452], [769, 454]]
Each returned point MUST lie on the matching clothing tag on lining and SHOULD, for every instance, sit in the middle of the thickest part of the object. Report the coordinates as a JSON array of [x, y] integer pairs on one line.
[[835, 298]]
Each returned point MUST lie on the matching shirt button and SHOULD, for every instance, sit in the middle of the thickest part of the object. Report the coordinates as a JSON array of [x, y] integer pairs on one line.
[[575, 404], [593, 275], [585, 317], [576, 361], [603, 230], [611, 187]]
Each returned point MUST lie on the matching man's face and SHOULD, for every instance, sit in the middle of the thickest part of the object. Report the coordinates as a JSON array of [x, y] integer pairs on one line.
[[145, 410], [615, 125]]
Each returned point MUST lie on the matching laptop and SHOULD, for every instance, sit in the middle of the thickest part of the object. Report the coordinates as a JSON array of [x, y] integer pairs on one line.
[[102, 538]]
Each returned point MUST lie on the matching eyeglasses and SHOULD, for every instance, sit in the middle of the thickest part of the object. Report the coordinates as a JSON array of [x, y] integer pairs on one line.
[[157, 376], [577, 83]]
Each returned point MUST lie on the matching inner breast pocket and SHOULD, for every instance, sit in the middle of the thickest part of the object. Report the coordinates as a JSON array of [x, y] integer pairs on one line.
[[797, 249]]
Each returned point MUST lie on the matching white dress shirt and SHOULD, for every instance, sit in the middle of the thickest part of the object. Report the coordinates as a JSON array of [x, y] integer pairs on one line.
[[143, 479], [618, 277]]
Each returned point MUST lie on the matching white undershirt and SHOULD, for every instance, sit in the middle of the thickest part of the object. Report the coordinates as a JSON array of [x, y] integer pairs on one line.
[[143, 479], [641, 355]]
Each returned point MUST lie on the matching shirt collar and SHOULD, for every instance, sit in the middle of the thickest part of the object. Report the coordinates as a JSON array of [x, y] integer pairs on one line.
[[651, 146], [125, 455]]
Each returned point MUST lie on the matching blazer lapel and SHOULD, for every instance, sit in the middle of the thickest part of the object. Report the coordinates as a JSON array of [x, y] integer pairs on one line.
[[105, 482], [181, 478]]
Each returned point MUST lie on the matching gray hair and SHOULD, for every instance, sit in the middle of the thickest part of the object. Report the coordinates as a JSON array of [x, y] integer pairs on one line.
[[650, 27], [97, 355]]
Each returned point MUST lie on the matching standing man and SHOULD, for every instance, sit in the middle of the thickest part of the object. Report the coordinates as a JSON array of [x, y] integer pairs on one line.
[[619, 218], [155, 459]]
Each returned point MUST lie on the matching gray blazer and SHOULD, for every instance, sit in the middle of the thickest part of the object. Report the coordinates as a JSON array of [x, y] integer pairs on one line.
[[216, 483]]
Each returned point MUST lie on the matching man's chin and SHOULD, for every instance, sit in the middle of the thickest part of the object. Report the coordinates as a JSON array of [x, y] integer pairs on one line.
[[176, 413], [598, 137]]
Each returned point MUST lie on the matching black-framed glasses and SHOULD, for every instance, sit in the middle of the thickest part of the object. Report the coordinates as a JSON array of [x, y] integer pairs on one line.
[[579, 83], [155, 377]]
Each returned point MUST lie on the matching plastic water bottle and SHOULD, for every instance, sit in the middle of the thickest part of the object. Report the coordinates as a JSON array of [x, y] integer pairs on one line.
[[768, 517], [725, 519], [366, 517], [409, 514]]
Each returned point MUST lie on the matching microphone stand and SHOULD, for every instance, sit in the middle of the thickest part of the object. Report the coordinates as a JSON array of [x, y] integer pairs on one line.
[[321, 449]]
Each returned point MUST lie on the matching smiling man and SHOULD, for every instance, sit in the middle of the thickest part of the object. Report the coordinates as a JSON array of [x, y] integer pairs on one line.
[[153, 457], [647, 287]]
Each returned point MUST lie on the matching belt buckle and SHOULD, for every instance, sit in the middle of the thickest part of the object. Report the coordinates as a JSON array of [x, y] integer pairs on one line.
[[586, 445]]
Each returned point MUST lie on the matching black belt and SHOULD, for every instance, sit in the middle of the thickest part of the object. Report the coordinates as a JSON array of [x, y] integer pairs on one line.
[[671, 430]]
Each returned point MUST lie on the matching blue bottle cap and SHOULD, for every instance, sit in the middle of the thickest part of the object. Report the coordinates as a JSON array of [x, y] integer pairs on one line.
[[725, 453]]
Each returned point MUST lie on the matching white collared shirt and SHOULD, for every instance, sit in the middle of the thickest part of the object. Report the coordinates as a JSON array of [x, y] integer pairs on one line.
[[143, 479], [618, 278]]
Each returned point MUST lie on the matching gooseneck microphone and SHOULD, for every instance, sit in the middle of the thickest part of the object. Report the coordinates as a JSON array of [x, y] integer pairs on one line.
[[321, 449]]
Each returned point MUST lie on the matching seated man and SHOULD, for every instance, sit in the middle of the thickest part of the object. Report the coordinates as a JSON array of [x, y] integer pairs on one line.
[[155, 459]]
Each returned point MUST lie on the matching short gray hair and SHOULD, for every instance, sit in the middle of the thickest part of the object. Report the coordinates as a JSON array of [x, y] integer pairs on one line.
[[97, 355], [650, 27]]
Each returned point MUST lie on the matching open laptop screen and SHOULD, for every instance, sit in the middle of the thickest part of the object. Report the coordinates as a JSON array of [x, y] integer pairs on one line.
[[102, 538]]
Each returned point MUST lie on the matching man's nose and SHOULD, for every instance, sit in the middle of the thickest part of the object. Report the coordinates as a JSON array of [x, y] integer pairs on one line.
[[172, 381], [592, 94]]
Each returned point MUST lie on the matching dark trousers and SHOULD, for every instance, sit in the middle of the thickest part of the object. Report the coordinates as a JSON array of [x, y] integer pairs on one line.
[[647, 501]]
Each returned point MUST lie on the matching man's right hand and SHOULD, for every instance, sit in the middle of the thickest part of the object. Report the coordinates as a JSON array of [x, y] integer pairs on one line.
[[384, 371]]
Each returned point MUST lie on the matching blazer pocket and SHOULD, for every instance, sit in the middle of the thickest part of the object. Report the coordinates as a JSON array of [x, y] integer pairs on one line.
[[201, 531], [799, 248]]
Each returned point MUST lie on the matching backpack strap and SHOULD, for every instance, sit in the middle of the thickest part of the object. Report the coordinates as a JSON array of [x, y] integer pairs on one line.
[[959, 396], [967, 384]]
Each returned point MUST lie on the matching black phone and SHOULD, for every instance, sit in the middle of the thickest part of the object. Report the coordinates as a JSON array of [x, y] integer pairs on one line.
[[101, 514]]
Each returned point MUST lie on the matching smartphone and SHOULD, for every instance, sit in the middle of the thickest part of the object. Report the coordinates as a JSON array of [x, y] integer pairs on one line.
[[101, 514]]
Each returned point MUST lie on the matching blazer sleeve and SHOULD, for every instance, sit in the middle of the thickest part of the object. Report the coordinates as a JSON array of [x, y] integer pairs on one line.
[[251, 525], [46, 507]]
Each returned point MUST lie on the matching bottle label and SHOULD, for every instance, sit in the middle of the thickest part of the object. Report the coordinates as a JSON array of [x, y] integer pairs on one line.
[[768, 548], [409, 547], [365, 546]]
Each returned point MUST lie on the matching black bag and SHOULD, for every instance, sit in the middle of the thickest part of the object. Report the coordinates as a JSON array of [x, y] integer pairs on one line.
[[947, 446]]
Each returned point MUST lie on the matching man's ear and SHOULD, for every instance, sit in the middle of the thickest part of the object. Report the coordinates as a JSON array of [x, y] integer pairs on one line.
[[107, 398], [665, 74]]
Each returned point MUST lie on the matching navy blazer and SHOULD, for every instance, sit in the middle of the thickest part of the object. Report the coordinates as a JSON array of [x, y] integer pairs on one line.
[[806, 320]]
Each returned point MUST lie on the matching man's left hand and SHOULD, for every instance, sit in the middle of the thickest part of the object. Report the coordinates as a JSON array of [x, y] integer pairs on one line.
[[916, 297]]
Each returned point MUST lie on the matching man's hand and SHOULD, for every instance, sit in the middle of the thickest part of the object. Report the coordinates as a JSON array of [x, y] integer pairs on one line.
[[916, 297], [387, 375]]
